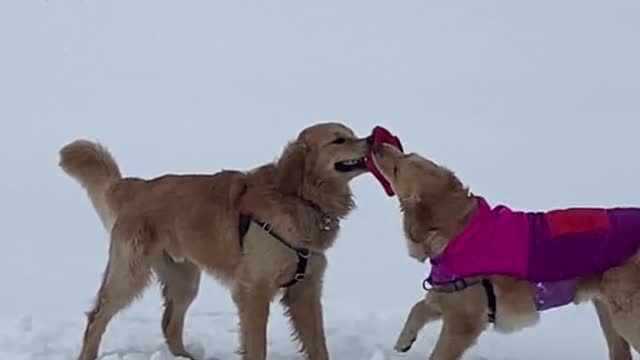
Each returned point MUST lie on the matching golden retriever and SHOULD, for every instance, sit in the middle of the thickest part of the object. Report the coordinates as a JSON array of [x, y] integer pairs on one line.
[[257, 232], [436, 206]]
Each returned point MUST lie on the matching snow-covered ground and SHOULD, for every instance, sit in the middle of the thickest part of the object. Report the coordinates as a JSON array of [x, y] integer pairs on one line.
[[534, 104]]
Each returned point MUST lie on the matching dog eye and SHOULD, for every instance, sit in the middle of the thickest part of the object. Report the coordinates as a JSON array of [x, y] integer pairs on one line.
[[339, 141]]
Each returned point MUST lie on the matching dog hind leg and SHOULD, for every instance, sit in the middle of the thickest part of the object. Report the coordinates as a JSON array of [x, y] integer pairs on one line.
[[618, 346], [127, 273], [180, 283]]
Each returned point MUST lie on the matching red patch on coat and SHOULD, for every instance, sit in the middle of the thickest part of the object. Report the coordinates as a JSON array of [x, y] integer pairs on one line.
[[575, 221]]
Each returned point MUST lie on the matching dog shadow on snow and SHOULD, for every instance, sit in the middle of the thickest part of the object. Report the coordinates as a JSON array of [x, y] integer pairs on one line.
[[159, 353]]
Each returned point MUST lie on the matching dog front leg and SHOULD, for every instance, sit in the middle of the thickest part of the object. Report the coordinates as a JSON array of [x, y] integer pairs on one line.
[[303, 307], [456, 337], [253, 311], [421, 313]]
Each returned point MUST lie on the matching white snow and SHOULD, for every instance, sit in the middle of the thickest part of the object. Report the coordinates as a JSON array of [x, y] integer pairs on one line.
[[534, 104]]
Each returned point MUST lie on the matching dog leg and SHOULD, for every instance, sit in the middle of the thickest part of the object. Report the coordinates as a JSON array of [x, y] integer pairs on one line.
[[180, 283], [456, 337], [303, 307], [618, 347], [126, 276], [253, 303], [421, 313]]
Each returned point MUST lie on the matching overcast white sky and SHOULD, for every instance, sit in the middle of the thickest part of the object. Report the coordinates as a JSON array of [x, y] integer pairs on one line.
[[533, 103]]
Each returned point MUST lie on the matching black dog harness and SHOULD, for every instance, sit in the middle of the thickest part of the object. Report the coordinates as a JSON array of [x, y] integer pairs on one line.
[[461, 284], [302, 253]]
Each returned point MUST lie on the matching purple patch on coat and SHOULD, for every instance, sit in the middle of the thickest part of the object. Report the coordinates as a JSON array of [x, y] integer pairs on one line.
[[582, 253]]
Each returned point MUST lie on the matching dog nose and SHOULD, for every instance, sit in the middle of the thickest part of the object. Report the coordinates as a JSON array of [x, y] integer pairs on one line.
[[369, 140], [377, 150]]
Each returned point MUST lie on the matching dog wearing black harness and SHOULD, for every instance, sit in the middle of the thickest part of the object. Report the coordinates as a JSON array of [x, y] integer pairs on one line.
[[262, 233]]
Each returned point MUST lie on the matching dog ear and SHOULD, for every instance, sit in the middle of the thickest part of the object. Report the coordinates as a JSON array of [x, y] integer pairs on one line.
[[237, 192], [292, 167]]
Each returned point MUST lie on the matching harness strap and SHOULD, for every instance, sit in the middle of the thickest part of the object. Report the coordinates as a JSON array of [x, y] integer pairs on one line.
[[491, 299], [244, 221], [451, 286], [301, 268], [461, 284], [303, 254]]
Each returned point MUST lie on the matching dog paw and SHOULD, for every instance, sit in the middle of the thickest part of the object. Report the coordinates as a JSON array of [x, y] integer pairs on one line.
[[404, 344]]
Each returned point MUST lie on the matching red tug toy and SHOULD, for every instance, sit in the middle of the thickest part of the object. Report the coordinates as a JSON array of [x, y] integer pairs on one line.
[[381, 135]]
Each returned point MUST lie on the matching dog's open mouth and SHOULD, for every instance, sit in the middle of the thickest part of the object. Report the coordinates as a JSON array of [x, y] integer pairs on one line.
[[350, 165]]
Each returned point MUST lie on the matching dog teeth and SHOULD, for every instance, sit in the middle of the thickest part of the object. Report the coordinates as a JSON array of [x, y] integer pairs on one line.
[[350, 162]]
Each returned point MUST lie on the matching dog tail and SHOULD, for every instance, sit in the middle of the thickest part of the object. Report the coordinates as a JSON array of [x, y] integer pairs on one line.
[[96, 170]]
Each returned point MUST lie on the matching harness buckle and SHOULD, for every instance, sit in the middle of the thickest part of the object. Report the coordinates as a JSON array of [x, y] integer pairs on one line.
[[304, 253], [299, 276], [267, 226], [425, 286], [459, 284]]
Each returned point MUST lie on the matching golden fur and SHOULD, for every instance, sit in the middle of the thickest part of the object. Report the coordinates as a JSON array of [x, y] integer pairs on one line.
[[436, 205], [178, 225]]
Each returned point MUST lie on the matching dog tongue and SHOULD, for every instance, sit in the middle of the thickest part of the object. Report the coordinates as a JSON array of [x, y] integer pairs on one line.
[[381, 135]]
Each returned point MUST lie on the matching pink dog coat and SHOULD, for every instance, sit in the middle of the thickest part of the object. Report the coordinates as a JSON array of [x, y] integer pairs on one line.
[[549, 249]]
